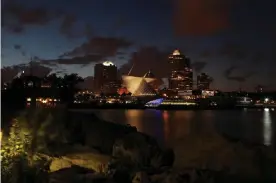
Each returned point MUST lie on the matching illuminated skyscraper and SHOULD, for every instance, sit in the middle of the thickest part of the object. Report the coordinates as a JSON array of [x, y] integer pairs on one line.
[[105, 76], [181, 74], [203, 81]]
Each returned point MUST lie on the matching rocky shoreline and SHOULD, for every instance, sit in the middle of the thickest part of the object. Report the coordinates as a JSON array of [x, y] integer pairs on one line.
[[80, 147]]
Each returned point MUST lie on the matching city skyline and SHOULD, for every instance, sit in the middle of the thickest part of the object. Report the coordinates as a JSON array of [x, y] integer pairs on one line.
[[235, 46]]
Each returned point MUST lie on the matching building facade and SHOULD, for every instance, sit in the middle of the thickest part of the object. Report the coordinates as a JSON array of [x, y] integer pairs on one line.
[[139, 86], [181, 73], [203, 81], [105, 77]]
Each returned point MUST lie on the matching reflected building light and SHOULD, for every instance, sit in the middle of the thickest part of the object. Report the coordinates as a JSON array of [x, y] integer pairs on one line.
[[184, 125], [134, 118], [166, 126], [267, 127], [207, 126]]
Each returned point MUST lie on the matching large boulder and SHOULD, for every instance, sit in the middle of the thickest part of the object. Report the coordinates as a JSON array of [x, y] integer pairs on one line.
[[88, 129], [89, 160], [58, 164], [141, 151]]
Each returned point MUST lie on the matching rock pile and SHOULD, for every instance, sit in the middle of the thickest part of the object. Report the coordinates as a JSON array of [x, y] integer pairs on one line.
[[111, 151]]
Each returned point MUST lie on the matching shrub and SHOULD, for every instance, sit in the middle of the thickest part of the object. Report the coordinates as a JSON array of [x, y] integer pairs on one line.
[[26, 137]]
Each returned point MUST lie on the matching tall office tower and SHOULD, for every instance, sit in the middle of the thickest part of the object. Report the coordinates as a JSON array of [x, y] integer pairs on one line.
[[105, 77], [181, 74], [203, 81]]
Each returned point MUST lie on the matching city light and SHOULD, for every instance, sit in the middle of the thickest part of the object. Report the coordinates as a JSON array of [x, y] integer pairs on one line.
[[108, 63], [176, 52]]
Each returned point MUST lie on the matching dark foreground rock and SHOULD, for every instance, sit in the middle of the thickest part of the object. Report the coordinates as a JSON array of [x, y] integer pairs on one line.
[[123, 142], [91, 131], [80, 175], [141, 150]]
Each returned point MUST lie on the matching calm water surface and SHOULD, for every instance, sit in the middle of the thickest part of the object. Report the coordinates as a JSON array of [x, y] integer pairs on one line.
[[198, 137], [168, 127]]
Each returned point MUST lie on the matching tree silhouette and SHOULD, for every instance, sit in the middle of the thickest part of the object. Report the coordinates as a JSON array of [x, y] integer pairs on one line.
[[68, 86], [53, 80]]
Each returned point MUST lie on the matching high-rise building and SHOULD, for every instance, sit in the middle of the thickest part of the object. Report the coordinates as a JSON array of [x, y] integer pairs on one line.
[[181, 74], [203, 81], [105, 76]]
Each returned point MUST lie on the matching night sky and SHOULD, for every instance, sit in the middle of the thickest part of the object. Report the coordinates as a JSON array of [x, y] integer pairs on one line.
[[234, 41]]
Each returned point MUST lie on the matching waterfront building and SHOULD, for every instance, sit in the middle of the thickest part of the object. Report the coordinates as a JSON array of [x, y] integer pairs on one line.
[[155, 82], [139, 86]]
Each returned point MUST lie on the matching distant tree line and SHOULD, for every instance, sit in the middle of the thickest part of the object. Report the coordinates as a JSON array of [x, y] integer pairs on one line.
[[63, 88]]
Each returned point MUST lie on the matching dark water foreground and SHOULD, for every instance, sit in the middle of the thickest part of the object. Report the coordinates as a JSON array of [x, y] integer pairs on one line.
[[64, 146]]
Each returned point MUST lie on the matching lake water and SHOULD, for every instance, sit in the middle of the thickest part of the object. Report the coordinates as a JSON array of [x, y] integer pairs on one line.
[[168, 127], [198, 137]]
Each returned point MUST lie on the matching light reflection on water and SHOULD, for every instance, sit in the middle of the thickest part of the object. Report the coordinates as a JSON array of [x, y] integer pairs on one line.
[[166, 126], [267, 129], [134, 118], [171, 126]]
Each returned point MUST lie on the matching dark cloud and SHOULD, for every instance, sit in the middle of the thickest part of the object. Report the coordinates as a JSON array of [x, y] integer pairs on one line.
[[207, 54], [200, 17], [147, 58], [233, 51], [240, 78], [258, 58], [84, 60], [16, 16], [198, 66], [95, 50], [69, 29], [67, 25], [36, 68], [103, 46], [17, 46]]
